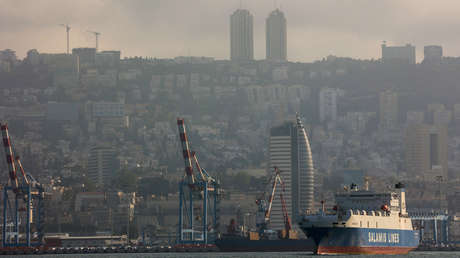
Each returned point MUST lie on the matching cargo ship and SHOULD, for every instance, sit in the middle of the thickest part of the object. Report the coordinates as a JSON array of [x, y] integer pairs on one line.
[[264, 239], [267, 240], [363, 222], [242, 243]]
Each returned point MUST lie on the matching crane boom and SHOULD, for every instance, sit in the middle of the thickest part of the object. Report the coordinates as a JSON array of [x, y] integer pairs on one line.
[[190, 178], [200, 188], [270, 200], [276, 177], [28, 196], [287, 220], [9, 157], [18, 160]]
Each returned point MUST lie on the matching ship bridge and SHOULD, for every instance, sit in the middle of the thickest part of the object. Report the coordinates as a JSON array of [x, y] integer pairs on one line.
[[367, 200]]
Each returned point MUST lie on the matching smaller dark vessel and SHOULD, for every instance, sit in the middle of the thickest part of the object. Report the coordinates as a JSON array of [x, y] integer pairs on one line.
[[242, 243], [264, 239]]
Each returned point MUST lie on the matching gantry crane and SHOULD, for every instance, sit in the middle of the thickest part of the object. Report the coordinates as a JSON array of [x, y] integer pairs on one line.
[[199, 196], [265, 207], [27, 195]]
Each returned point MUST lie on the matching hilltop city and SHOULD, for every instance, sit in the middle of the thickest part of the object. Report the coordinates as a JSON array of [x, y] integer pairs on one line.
[[99, 130]]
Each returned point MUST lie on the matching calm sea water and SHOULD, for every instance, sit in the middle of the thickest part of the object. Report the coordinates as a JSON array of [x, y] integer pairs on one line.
[[244, 255]]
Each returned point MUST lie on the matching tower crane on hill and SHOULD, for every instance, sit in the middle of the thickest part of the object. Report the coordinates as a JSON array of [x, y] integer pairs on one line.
[[199, 196], [67, 29], [96, 34], [27, 196], [265, 207]]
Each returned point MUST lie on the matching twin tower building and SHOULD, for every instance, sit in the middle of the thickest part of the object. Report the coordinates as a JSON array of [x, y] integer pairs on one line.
[[242, 39]]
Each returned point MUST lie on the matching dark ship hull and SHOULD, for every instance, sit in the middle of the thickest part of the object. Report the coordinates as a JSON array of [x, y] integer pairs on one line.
[[242, 244]]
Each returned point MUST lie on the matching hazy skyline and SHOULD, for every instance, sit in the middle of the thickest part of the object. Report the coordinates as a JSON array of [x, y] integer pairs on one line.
[[169, 28]]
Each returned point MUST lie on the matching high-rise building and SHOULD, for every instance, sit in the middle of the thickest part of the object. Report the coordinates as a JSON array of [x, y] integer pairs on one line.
[[276, 37], [415, 117], [8, 55], [290, 152], [86, 55], [456, 115], [327, 105], [102, 165], [398, 54], [108, 58], [426, 151], [8, 60], [241, 36], [432, 54], [388, 109]]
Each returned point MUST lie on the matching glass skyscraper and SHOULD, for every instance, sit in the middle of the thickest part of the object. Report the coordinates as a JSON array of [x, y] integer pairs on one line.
[[290, 151]]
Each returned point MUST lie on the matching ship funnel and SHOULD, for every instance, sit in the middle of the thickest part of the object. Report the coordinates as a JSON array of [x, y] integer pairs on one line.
[[402, 198], [366, 183]]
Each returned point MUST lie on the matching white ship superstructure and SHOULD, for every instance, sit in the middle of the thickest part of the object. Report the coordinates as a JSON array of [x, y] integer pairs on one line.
[[363, 222]]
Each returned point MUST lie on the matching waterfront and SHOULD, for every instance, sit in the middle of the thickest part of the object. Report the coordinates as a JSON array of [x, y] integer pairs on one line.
[[235, 255]]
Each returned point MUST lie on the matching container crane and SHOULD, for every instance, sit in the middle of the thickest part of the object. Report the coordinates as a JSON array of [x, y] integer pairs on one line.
[[27, 195], [199, 196], [265, 207]]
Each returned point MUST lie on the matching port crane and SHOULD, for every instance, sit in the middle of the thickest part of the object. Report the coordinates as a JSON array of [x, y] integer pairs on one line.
[[265, 207], [199, 196], [23, 194]]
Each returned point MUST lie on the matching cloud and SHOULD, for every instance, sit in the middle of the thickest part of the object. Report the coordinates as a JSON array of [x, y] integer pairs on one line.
[[168, 28]]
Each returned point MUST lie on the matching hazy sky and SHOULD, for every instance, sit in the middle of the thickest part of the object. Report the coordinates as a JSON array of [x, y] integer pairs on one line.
[[168, 28]]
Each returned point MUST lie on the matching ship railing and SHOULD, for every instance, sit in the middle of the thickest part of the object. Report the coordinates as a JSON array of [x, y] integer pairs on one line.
[[368, 213]]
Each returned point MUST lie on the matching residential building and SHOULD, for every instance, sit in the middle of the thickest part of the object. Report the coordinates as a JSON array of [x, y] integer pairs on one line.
[[276, 36], [432, 109], [357, 122], [432, 54], [8, 60], [327, 105], [241, 36], [108, 58], [8, 55], [57, 62], [102, 165], [388, 109], [290, 152], [426, 151], [456, 115], [193, 60], [398, 54], [280, 73], [442, 117], [108, 109], [85, 55], [415, 117]]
